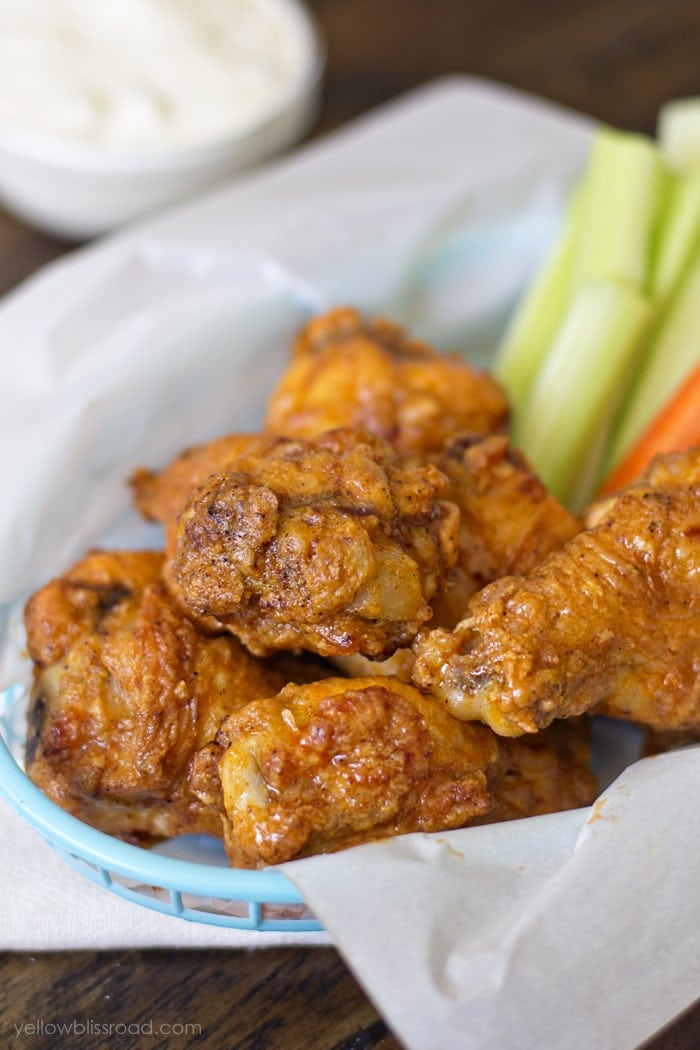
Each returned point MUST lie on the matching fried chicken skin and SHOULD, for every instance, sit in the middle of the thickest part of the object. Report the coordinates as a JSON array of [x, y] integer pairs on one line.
[[611, 622], [508, 520], [348, 371], [331, 545], [508, 523], [125, 691], [333, 764], [664, 471], [161, 495], [336, 763], [544, 772]]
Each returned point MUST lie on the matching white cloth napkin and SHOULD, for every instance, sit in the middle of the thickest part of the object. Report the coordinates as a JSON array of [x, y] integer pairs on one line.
[[46, 905]]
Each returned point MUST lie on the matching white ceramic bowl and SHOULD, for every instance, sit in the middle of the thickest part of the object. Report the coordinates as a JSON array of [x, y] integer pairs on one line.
[[76, 190]]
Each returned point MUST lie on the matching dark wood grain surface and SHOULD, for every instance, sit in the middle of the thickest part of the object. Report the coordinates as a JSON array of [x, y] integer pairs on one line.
[[617, 60]]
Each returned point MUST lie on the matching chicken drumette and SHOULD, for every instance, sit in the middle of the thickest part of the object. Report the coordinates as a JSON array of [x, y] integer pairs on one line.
[[611, 622], [347, 371], [125, 691], [325, 766], [331, 545], [329, 765]]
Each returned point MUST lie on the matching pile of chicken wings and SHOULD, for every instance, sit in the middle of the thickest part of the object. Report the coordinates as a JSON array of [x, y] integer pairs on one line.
[[368, 619]]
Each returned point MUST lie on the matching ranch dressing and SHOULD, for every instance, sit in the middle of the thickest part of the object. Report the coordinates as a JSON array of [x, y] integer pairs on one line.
[[128, 74]]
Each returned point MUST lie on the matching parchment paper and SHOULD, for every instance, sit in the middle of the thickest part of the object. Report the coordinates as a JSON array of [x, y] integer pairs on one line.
[[575, 930]]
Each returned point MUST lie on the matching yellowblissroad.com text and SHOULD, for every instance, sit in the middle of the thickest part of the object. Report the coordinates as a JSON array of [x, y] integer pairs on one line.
[[87, 1026]]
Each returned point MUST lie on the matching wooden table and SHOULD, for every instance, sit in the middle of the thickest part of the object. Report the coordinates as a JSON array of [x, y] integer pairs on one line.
[[616, 60]]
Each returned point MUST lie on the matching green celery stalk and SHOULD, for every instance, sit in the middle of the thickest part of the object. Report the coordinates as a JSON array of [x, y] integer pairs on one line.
[[626, 184], [539, 313], [576, 392], [678, 236], [678, 133], [673, 349]]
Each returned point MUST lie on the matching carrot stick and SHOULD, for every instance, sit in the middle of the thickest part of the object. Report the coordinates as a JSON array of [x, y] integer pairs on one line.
[[676, 427]]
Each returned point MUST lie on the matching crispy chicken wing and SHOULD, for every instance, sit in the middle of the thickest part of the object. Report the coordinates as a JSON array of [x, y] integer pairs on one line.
[[346, 371], [336, 763], [125, 692], [331, 545], [665, 471], [332, 764], [612, 621]]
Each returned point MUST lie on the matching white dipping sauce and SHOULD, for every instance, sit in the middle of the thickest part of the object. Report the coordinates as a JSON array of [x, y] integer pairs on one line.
[[148, 74]]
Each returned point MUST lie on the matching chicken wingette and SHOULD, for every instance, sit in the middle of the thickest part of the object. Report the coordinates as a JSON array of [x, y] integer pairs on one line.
[[349, 371], [125, 691], [331, 545]]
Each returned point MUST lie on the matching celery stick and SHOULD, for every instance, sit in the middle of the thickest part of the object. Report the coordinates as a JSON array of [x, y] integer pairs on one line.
[[673, 349], [576, 392], [626, 183], [678, 236], [678, 133], [539, 314]]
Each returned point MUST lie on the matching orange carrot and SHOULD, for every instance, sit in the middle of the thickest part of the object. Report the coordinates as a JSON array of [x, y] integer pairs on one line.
[[676, 427]]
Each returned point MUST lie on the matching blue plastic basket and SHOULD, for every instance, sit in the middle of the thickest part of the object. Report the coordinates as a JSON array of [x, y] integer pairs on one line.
[[204, 890]]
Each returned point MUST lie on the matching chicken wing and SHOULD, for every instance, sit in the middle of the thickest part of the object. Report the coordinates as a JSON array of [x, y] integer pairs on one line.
[[329, 765], [125, 692], [664, 471], [347, 371], [161, 495], [612, 622], [325, 766], [331, 545]]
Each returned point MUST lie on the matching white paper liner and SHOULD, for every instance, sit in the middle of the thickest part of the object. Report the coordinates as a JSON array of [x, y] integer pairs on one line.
[[555, 931]]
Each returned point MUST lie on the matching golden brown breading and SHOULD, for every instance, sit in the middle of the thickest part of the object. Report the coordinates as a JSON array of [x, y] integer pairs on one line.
[[161, 495], [333, 764], [125, 691], [346, 371], [544, 772], [611, 621], [330, 545], [508, 520], [673, 468], [508, 523], [664, 471], [336, 763]]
